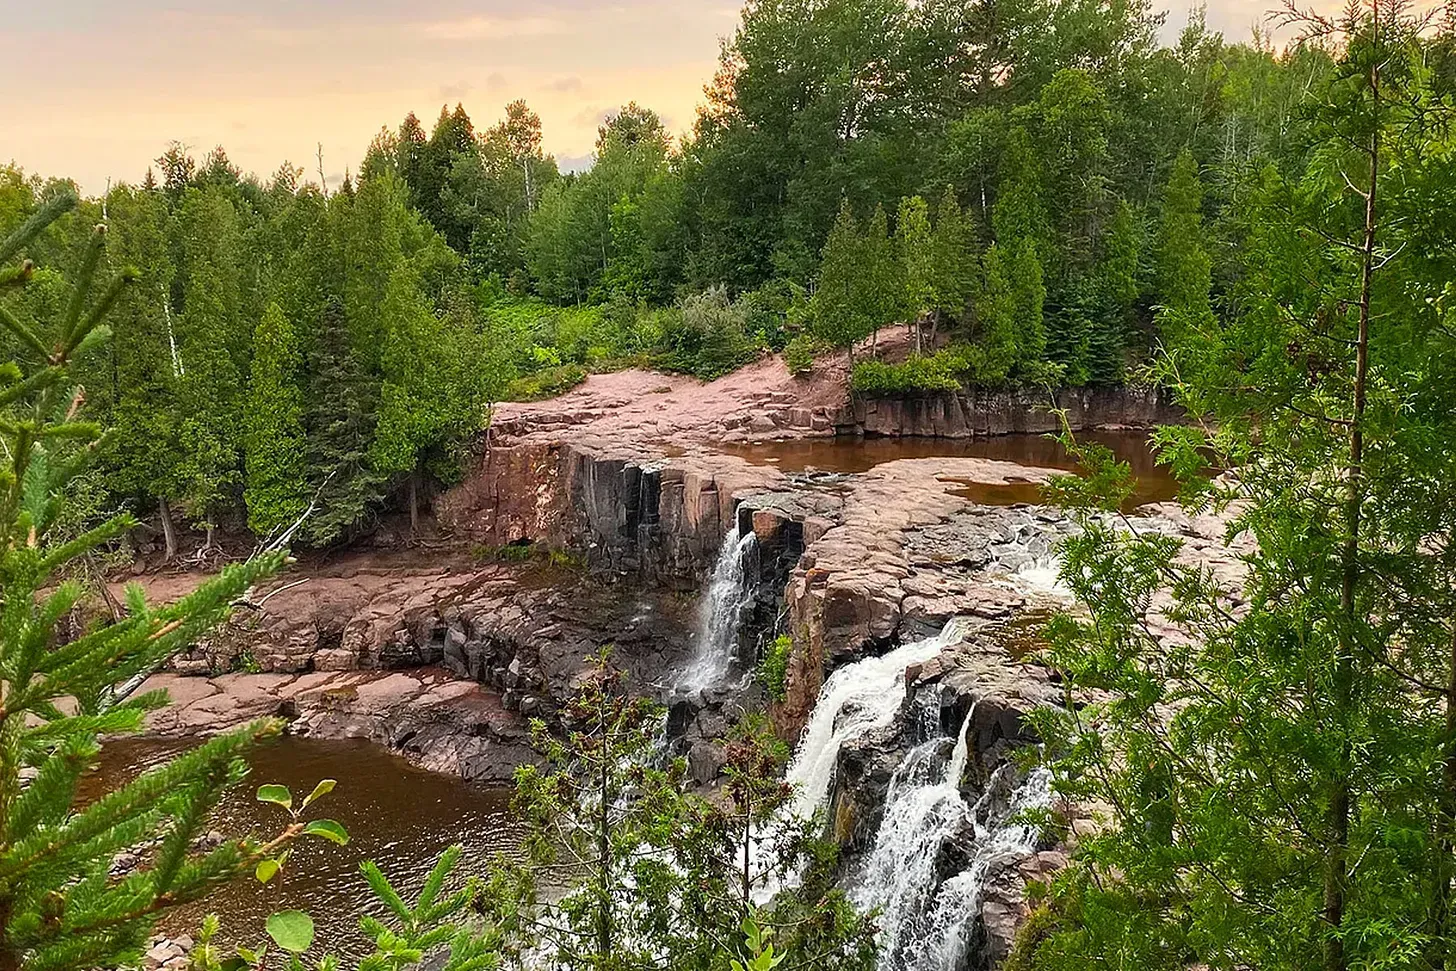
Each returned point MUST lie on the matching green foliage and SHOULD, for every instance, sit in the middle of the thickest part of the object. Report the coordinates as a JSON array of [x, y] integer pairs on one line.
[[1276, 768], [1183, 266], [548, 383], [799, 354], [773, 667], [916, 375], [664, 878], [709, 336], [438, 927], [275, 447], [63, 906]]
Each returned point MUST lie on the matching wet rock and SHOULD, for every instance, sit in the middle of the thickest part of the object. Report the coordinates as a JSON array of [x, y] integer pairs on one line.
[[705, 760]]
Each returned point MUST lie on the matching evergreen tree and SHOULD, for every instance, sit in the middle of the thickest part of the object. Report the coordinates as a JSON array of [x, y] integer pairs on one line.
[[1184, 270], [209, 350], [915, 243], [275, 491], [996, 331], [339, 425], [840, 314], [1114, 291], [372, 231], [1028, 299], [882, 273], [61, 907], [145, 455], [1279, 761], [953, 267]]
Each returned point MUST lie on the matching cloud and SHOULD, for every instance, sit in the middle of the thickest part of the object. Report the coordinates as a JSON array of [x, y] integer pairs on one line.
[[571, 85], [593, 117], [454, 92], [574, 163], [490, 28]]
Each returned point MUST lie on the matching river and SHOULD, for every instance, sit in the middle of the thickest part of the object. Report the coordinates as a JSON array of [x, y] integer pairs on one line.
[[397, 815], [1154, 483]]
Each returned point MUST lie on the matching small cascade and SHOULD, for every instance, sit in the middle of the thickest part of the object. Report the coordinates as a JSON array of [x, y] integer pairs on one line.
[[927, 922], [857, 699], [719, 615], [1044, 575]]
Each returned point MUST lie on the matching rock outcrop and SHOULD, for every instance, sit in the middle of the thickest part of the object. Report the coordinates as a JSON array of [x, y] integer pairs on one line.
[[432, 718], [976, 414]]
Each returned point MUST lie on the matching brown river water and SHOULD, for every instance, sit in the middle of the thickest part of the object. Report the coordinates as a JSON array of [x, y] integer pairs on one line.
[[850, 455], [397, 815]]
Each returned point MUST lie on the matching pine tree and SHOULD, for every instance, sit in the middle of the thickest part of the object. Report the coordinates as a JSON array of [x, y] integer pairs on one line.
[[60, 906], [372, 232], [1184, 269], [1114, 291], [882, 273], [144, 453], [275, 493], [954, 260], [1028, 299], [915, 245], [209, 350], [996, 335], [339, 430], [840, 315]]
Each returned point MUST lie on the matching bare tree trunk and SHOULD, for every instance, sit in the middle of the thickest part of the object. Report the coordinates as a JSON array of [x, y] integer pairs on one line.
[[414, 501], [604, 842], [1337, 852], [169, 531], [1445, 833]]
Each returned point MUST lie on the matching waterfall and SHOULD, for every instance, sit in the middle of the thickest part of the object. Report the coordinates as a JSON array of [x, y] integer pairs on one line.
[[857, 699], [719, 614], [926, 923]]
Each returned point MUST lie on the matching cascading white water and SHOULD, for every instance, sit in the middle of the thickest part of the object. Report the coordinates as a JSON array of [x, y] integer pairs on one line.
[[958, 903], [1044, 575], [719, 615], [926, 923], [857, 699]]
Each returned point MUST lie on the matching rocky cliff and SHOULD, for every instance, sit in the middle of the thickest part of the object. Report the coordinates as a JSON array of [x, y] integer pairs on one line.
[[975, 414]]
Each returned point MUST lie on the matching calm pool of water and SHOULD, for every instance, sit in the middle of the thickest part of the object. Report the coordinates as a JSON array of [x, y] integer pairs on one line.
[[851, 455], [397, 815]]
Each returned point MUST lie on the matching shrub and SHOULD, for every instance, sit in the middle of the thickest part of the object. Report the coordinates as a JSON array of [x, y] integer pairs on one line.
[[708, 336], [773, 668], [918, 375], [545, 384], [799, 354]]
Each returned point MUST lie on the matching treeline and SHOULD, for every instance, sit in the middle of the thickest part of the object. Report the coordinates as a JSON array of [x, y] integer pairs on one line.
[[1029, 184]]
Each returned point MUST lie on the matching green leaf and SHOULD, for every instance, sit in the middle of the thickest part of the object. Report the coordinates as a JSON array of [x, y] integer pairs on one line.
[[276, 794], [291, 930], [324, 787], [266, 870], [327, 829]]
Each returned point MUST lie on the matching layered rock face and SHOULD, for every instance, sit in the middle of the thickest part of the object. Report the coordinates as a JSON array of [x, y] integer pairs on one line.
[[656, 518], [975, 414]]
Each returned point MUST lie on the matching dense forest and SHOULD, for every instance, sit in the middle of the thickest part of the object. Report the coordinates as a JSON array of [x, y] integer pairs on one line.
[[1038, 184]]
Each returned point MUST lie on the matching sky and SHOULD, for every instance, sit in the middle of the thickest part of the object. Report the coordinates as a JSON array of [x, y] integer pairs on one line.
[[95, 89]]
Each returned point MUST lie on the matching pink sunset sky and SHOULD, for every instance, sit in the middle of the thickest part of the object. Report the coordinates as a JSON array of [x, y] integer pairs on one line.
[[95, 89]]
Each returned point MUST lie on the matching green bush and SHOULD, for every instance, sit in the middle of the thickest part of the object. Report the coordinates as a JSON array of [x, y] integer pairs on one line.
[[799, 354], [708, 336], [773, 668], [917, 375], [547, 383]]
